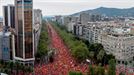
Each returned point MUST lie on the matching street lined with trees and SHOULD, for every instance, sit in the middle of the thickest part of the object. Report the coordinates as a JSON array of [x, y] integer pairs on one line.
[[77, 48], [71, 54], [82, 50], [62, 62]]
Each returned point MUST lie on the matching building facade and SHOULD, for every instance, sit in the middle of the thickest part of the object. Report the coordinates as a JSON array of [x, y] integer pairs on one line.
[[24, 28], [66, 20], [37, 26], [9, 16], [77, 30], [1, 24], [88, 32], [6, 46], [120, 45]]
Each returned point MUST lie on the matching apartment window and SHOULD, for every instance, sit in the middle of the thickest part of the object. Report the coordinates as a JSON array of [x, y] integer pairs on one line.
[[19, 2], [130, 62], [119, 62], [28, 45], [6, 15], [122, 62]]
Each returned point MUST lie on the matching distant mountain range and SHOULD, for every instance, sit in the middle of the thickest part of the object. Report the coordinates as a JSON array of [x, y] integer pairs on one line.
[[129, 12]]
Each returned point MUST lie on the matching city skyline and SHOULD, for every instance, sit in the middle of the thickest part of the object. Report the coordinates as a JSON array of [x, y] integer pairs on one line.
[[66, 7], [68, 37]]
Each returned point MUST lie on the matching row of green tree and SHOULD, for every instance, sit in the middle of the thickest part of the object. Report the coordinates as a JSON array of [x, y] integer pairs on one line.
[[42, 49], [97, 53], [100, 70], [75, 73], [14, 68]]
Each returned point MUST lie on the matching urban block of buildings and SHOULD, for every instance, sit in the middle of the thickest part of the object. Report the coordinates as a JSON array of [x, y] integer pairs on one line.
[[20, 31], [116, 35]]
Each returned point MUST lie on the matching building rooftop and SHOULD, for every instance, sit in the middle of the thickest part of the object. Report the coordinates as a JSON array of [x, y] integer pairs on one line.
[[121, 30], [9, 5]]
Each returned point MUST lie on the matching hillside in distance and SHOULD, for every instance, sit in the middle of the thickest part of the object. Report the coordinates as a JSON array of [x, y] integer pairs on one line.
[[128, 12]]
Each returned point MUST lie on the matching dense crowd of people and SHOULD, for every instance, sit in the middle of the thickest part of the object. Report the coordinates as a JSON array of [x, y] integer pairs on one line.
[[63, 61]]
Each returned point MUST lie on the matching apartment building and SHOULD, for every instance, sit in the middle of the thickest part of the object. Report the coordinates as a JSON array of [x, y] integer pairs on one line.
[[88, 32], [119, 43], [77, 29], [84, 18], [66, 20]]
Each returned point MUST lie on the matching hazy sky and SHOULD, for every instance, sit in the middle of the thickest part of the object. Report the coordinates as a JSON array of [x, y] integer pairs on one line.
[[65, 7]]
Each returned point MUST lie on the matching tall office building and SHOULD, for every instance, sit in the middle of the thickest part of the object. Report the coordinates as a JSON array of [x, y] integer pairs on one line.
[[9, 16], [24, 27]]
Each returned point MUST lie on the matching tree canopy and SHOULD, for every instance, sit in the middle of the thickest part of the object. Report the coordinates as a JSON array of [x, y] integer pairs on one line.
[[75, 73]]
